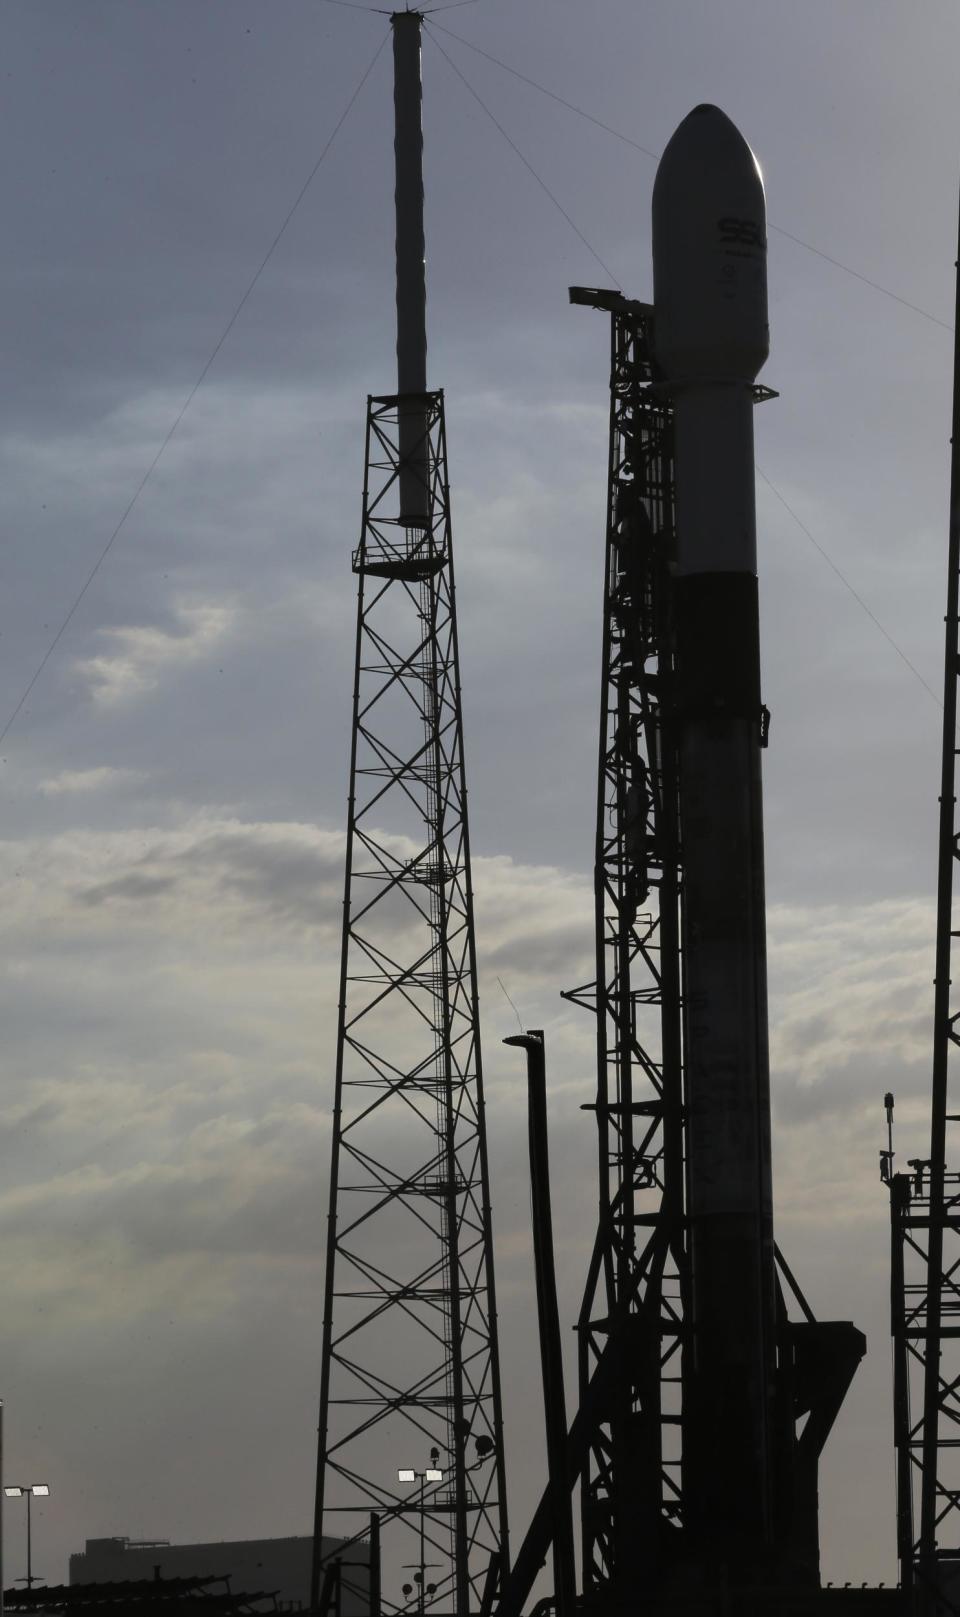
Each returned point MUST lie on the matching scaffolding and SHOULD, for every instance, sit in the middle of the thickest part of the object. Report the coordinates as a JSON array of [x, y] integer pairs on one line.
[[633, 1305]]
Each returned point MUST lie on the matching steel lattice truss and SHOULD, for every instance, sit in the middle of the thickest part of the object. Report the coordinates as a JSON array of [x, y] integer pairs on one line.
[[631, 1498], [925, 1204], [925, 1297], [409, 1345], [925, 1218]]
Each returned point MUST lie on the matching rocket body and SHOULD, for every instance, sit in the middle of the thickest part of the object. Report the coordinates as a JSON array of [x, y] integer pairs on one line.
[[710, 340]]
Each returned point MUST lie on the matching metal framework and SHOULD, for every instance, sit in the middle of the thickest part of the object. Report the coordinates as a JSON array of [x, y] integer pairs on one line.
[[633, 1307], [925, 1205], [636, 1444], [409, 1374]]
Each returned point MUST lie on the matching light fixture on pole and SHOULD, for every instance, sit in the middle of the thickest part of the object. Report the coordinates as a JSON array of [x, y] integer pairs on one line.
[[16, 1492], [431, 1474]]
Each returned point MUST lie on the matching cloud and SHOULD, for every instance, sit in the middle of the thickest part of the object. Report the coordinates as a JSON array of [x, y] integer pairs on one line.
[[144, 655], [225, 934], [171, 997], [71, 782], [135, 885]]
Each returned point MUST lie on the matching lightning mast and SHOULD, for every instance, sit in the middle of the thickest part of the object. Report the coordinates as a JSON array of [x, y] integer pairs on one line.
[[410, 1436], [925, 1204]]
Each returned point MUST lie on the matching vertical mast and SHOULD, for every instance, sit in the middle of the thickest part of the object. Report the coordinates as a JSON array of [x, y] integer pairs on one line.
[[939, 1492], [411, 267], [410, 1447]]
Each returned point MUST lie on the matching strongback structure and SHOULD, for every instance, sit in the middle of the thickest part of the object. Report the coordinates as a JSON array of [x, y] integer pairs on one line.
[[635, 1298], [925, 1204], [409, 1374]]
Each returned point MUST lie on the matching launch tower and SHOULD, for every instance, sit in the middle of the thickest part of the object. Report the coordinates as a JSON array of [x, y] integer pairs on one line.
[[704, 1407], [410, 1448], [925, 1203]]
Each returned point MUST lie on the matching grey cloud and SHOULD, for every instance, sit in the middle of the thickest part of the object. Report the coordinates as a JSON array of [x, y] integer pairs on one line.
[[132, 887], [563, 952]]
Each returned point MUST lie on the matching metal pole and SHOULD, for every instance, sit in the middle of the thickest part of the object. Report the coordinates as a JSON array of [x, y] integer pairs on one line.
[[423, 1569], [374, 1578], [564, 1570], [930, 1503], [2, 1496], [899, 1209], [411, 273], [449, 1113], [29, 1550], [326, 1355]]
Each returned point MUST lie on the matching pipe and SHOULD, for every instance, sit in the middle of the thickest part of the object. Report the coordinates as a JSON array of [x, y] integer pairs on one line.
[[374, 1573], [548, 1318]]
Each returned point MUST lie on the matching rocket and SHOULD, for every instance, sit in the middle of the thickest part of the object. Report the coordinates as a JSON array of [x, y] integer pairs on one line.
[[710, 340], [759, 1390]]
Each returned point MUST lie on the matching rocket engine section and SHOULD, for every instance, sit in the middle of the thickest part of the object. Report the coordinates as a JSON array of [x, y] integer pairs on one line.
[[750, 1492]]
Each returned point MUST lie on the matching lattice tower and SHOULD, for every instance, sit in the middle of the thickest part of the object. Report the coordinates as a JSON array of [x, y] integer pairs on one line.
[[410, 1375]]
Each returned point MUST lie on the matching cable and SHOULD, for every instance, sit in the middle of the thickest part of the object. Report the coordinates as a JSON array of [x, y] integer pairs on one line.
[[847, 585], [945, 324], [350, 5], [655, 157], [551, 94], [189, 398], [511, 1004], [527, 165], [773, 489]]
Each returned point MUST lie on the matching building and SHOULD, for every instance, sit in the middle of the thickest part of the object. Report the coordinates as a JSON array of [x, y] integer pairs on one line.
[[271, 1565]]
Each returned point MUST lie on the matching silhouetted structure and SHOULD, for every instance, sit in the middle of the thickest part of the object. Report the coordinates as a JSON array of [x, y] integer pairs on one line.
[[409, 1374], [925, 1205], [209, 1596], [703, 1407], [279, 1564]]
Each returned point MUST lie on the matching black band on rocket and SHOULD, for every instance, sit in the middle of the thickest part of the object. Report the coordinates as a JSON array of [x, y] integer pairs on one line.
[[718, 646]]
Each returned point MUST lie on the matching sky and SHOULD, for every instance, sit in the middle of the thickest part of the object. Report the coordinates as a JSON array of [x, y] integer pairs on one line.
[[173, 788]]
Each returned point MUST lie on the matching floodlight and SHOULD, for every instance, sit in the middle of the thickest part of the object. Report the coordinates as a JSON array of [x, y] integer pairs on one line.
[[406, 1476], [17, 1490], [433, 1476]]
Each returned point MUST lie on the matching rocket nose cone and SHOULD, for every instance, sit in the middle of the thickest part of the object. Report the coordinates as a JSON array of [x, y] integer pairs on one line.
[[709, 252], [707, 139]]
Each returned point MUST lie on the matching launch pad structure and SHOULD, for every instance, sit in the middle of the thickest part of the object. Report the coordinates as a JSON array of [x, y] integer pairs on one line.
[[925, 1202], [707, 1388], [639, 1447], [704, 1408], [410, 1443]]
